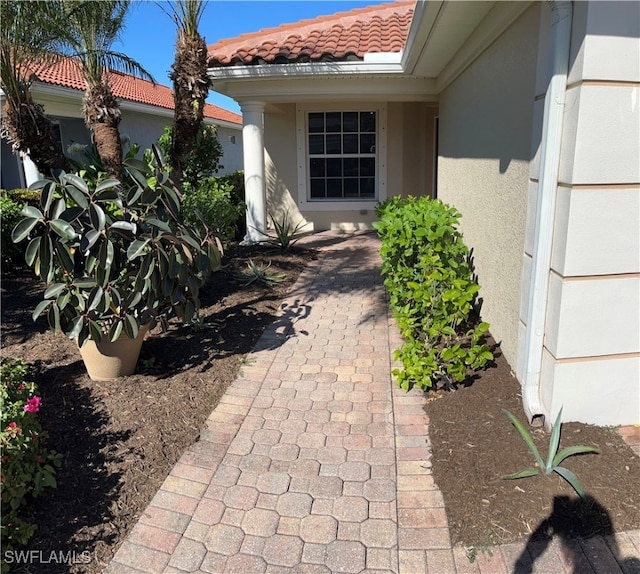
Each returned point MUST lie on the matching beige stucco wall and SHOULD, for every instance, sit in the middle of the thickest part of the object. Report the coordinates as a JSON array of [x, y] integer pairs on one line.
[[485, 143], [409, 135], [591, 360]]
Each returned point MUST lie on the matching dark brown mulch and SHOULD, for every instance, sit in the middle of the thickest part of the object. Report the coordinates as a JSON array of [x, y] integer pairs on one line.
[[120, 439], [474, 445]]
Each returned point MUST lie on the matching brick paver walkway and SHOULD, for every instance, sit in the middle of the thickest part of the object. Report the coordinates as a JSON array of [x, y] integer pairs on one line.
[[314, 461]]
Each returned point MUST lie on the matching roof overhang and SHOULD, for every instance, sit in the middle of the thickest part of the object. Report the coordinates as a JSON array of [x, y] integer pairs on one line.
[[444, 38], [372, 79]]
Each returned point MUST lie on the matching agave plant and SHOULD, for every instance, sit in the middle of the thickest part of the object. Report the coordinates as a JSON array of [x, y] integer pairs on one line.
[[554, 458], [115, 256], [286, 234], [259, 273]]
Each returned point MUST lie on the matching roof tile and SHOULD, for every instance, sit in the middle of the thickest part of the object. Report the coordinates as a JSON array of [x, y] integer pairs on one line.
[[66, 72], [381, 28]]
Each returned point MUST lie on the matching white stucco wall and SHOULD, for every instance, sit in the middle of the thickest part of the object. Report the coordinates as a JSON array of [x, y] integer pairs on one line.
[[485, 146], [231, 142], [142, 129], [591, 364]]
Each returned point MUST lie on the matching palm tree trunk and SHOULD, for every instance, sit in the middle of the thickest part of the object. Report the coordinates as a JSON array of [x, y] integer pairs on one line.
[[102, 117], [29, 130], [190, 88]]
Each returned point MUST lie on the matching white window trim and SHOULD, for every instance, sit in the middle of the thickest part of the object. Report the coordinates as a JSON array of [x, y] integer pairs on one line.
[[302, 156]]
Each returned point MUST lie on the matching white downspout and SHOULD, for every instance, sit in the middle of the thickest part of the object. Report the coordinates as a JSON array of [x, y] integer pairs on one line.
[[551, 142]]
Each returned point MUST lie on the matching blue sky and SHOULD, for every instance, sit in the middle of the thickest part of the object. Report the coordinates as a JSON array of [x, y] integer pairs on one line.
[[149, 35]]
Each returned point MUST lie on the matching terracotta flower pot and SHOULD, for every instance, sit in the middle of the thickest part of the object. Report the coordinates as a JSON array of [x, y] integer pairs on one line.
[[106, 360]]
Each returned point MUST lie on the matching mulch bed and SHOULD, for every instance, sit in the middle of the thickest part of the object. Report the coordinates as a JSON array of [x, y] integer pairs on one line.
[[474, 445], [120, 439]]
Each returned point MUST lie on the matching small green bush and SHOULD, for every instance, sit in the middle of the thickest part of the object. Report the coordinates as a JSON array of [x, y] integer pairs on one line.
[[9, 217], [204, 162], [27, 466], [432, 291], [236, 181], [213, 202], [11, 204], [25, 196]]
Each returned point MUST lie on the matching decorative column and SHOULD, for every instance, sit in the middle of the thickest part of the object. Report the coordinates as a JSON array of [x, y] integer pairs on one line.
[[254, 183]]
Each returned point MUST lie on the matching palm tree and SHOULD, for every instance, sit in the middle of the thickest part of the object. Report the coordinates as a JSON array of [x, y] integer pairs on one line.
[[90, 30], [190, 83], [27, 38]]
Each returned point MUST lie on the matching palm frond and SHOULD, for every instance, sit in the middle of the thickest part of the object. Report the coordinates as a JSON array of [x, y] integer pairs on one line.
[[186, 14], [95, 62]]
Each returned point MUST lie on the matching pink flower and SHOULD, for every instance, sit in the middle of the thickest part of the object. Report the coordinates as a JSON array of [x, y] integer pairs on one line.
[[38, 458], [33, 405]]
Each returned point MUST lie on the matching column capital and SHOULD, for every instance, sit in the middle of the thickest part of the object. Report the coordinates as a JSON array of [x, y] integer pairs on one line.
[[249, 106]]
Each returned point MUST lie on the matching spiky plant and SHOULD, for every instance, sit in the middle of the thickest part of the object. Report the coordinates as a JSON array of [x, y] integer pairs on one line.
[[554, 458], [259, 273]]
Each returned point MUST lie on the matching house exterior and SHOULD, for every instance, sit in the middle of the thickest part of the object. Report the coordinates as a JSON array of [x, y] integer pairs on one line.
[[146, 110], [523, 115]]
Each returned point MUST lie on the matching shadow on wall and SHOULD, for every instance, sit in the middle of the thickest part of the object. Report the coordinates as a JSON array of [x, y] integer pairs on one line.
[[572, 521], [279, 201]]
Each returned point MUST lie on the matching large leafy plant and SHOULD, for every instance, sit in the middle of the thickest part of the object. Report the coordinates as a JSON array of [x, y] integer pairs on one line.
[[115, 255], [432, 291]]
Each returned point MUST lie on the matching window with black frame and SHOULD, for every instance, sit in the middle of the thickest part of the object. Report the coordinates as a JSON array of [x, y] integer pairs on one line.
[[342, 155]]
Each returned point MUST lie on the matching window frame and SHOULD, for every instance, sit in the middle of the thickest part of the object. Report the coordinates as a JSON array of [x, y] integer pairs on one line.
[[303, 157]]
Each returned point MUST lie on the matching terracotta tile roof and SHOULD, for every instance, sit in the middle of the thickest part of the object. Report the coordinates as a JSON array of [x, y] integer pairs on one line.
[[342, 36], [66, 73]]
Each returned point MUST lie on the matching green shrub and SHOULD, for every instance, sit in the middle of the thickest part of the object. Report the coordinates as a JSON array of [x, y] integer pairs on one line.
[[204, 162], [428, 275], [236, 181], [9, 217], [213, 201], [25, 196], [11, 204], [27, 466]]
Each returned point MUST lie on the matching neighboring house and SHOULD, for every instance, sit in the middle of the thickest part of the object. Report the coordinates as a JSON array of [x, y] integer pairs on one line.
[[523, 115], [146, 110]]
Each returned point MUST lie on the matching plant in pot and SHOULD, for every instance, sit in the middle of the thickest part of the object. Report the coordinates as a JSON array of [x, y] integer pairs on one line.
[[117, 258]]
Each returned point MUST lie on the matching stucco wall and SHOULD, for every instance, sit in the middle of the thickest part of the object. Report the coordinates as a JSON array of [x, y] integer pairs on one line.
[[231, 142], [408, 133], [485, 143], [591, 364]]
